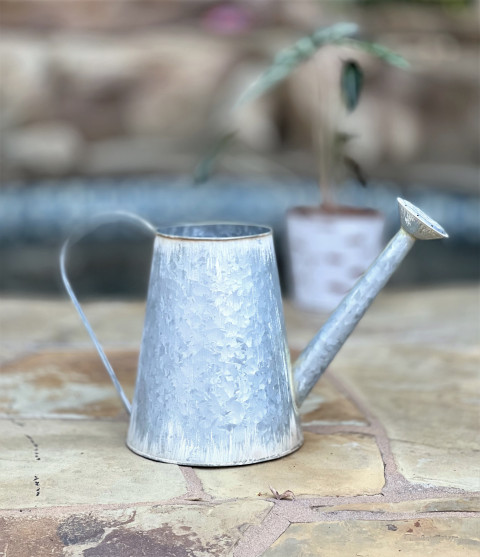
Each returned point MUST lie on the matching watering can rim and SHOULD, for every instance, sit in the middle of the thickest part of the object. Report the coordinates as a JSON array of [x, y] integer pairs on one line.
[[251, 231]]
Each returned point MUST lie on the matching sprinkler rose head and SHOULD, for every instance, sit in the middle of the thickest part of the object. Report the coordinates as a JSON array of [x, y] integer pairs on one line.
[[417, 223]]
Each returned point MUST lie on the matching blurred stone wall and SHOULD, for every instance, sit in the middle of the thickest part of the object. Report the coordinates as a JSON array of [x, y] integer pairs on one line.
[[109, 88]]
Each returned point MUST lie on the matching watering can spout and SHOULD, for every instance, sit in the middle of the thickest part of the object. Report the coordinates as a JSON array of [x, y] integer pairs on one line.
[[313, 361]]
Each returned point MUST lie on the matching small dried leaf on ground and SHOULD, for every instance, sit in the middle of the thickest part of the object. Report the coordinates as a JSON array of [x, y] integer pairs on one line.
[[285, 495]]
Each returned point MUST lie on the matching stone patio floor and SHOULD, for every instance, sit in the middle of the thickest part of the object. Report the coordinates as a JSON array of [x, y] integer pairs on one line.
[[390, 464]]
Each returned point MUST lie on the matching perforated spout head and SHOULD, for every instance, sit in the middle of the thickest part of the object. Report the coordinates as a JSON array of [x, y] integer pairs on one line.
[[417, 223]]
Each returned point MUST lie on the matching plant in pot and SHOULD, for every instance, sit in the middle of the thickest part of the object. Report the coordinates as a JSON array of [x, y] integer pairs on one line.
[[330, 245]]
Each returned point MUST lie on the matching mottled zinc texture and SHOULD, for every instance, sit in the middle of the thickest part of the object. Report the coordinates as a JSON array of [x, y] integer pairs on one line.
[[214, 382]]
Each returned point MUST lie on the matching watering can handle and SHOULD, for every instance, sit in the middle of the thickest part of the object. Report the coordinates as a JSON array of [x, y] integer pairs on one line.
[[92, 225]]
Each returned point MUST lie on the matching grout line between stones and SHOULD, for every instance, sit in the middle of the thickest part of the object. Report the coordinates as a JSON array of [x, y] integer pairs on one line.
[[394, 481], [195, 491], [257, 539], [396, 485], [310, 514], [284, 508]]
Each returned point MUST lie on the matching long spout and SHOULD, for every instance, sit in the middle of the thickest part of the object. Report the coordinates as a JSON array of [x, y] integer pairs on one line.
[[415, 225]]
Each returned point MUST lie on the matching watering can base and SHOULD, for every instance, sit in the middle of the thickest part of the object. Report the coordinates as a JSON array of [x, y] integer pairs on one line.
[[216, 464]]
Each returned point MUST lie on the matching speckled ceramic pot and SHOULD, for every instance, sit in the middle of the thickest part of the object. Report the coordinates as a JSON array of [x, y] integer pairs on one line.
[[329, 251]]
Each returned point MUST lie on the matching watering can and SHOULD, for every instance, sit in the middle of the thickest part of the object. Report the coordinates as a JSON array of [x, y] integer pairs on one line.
[[215, 386]]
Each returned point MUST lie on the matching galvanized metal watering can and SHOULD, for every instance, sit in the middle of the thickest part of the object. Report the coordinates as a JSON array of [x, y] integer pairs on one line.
[[215, 386]]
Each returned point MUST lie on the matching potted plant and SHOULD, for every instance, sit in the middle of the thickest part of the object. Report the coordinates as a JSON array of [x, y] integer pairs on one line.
[[330, 245]]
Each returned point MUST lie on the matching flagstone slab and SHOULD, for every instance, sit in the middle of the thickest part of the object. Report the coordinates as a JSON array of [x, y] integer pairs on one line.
[[428, 465], [431, 316], [426, 316], [114, 323], [435, 537], [68, 383], [343, 464], [27, 322], [69, 462], [325, 405], [10, 353], [427, 400], [193, 530]]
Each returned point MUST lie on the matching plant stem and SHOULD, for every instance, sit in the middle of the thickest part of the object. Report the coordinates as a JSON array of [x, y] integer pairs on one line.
[[321, 141]]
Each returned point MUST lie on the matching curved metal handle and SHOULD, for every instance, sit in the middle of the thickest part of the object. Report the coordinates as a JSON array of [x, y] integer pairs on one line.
[[95, 223]]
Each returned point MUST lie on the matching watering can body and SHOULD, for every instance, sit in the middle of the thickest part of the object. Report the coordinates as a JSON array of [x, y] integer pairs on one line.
[[214, 380], [215, 386]]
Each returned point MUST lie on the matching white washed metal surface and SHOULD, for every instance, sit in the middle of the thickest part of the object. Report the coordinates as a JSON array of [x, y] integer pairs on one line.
[[214, 381]]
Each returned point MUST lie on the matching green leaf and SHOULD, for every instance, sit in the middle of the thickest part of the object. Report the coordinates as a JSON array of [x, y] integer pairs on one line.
[[287, 60], [333, 33], [351, 83], [203, 169], [377, 50]]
